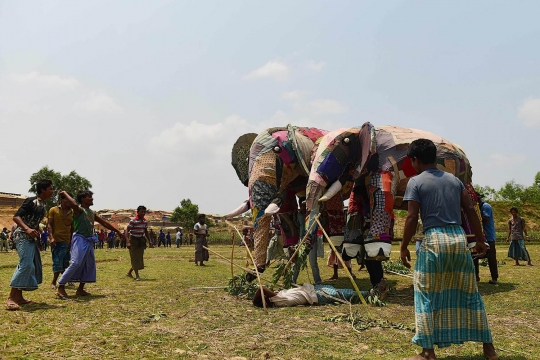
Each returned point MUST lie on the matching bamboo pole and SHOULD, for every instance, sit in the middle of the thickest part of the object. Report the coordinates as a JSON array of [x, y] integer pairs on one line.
[[256, 272], [338, 255], [298, 247], [232, 259]]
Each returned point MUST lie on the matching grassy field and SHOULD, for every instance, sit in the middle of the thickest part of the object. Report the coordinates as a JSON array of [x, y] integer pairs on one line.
[[116, 321]]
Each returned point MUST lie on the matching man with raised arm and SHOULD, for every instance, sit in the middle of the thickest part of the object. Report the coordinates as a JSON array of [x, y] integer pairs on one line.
[[82, 268], [28, 273]]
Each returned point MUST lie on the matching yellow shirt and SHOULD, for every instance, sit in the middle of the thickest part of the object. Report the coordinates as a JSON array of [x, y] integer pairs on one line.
[[61, 230]]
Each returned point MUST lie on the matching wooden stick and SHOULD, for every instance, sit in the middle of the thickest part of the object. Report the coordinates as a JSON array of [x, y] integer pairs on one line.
[[229, 261], [232, 259], [396, 273], [258, 276], [298, 247], [338, 255]]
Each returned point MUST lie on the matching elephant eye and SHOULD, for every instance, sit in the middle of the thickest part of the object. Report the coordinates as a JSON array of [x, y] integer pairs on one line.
[[276, 149], [346, 141]]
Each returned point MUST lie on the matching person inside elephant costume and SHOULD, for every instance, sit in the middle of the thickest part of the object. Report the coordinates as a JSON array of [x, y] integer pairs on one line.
[[368, 165], [274, 165]]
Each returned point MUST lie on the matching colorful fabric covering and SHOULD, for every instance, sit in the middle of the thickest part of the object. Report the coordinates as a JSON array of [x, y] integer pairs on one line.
[[137, 226], [278, 163], [60, 256], [84, 223], [517, 250], [448, 307], [392, 145], [82, 267], [61, 231], [28, 273]]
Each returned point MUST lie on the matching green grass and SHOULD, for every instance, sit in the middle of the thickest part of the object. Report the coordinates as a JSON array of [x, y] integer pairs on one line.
[[207, 323]]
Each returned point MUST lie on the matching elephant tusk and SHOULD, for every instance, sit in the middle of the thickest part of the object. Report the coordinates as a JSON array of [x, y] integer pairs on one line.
[[332, 190], [239, 210], [271, 209]]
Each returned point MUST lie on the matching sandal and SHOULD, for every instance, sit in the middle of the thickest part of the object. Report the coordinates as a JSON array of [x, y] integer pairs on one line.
[[61, 296], [12, 305], [82, 293], [129, 275], [26, 302]]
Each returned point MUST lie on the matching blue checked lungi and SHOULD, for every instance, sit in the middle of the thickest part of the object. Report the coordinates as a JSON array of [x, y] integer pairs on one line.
[[517, 250], [28, 273], [448, 307], [60, 256], [343, 294], [82, 267]]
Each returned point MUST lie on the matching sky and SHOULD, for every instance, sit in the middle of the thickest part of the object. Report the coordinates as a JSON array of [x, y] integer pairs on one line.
[[146, 98]]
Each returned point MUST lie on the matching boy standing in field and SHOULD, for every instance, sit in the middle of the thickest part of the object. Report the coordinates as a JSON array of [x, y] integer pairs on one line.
[[82, 268], [516, 228], [60, 224], [201, 233], [137, 232], [28, 273]]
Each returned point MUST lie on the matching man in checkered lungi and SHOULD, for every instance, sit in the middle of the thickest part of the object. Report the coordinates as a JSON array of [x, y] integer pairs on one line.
[[448, 307]]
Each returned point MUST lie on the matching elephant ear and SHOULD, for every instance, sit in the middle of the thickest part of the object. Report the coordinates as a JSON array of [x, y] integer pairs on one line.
[[240, 156], [368, 145]]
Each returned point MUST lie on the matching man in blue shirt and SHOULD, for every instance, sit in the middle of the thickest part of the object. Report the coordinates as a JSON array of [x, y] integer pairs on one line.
[[488, 223]]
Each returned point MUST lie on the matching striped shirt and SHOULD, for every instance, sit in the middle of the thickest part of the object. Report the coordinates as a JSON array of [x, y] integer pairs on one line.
[[137, 226]]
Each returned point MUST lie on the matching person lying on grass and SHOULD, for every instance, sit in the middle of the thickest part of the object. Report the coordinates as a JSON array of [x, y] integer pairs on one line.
[[82, 268], [308, 294]]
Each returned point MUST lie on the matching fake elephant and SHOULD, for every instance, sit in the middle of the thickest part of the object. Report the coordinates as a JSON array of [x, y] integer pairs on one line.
[[370, 167], [275, 172]]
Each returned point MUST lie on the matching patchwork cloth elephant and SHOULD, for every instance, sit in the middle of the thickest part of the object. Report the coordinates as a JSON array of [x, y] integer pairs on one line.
[[275, 172], [369, 166]]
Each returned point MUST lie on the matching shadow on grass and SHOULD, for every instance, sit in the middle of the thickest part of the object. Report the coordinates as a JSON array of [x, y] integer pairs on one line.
[[487, 289], [40, 306], [482, 357], [403, 296], [87, 298]]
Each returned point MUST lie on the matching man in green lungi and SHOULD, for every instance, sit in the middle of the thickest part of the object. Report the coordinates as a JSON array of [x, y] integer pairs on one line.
[[448, 307]]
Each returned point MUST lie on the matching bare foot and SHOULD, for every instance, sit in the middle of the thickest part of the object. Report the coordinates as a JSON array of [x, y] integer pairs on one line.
[[129, 275], [53, 286], [26, 301], [332, 278], [82, 293], [12, 305], [529, 264], [489, 352]]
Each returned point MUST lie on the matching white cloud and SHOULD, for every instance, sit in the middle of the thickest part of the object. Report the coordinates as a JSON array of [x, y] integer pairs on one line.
[[499, 161], [35, 78], [323, 106], [274, 69], [316, 66], [529, 111], [216, 139], [292, 95], [97, 102]]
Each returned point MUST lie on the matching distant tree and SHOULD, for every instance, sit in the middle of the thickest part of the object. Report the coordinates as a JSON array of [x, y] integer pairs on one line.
[[71, 183], [185, 214]]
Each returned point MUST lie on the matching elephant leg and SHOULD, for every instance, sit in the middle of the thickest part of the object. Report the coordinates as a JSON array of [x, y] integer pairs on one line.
[[261, 240]]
